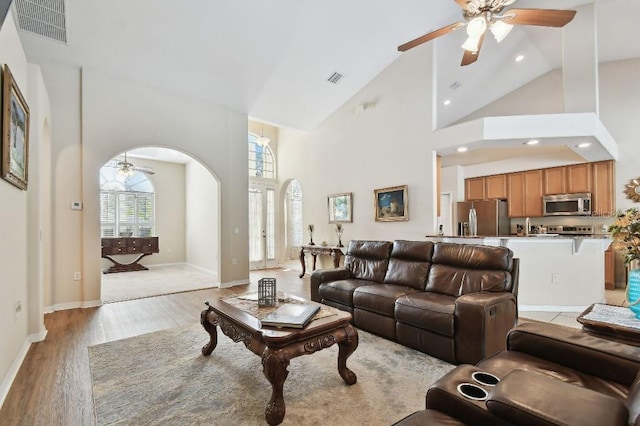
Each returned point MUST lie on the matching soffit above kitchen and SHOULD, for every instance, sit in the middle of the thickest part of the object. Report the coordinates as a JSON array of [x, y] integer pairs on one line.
[[578, 137]]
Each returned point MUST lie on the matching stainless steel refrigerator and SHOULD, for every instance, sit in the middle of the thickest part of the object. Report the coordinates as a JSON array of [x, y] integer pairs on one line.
[[491, 214]]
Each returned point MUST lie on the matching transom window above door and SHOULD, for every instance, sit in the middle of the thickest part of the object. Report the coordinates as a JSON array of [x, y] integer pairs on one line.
[[261, 161]]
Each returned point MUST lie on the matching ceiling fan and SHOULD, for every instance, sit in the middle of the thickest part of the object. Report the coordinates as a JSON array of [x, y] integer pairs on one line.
[[125, 168], [480, 15]]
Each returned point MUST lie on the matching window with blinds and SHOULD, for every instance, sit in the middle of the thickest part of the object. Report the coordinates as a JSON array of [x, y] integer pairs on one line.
[[123, 211]]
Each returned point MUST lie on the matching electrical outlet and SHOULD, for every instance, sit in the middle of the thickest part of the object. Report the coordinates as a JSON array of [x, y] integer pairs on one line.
[[77, 276], [169, 251], [554, 277], [234, 261]]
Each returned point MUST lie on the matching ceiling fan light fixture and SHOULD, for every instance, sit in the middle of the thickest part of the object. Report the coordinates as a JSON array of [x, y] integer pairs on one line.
[[262, 140], [471, 44], [476, 27], [500, 30]]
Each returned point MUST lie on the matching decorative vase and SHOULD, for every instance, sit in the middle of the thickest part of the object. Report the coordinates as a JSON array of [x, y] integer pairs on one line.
[[633, 291], [339, 232]]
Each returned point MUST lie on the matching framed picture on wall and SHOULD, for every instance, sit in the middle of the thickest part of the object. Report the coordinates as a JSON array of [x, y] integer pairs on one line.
[[391, 204], [15, 132], [340, 208]]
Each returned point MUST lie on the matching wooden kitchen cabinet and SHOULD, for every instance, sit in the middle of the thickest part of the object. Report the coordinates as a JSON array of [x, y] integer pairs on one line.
[[524, 190], [495, 187], [603, 188], [578, 178], [554, 180], [474, 189], [486, 188]]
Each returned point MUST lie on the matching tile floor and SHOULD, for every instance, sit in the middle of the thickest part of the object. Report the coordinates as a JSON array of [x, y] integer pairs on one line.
[[568, 319]]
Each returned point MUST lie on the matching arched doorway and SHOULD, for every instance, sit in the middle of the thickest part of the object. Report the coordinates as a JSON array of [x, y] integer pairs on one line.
[[164, 194]]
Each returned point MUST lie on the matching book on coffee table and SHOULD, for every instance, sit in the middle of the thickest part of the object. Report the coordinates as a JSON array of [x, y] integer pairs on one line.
[[293, 315]]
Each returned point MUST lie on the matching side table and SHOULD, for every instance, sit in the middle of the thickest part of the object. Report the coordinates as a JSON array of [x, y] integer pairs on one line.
[[612, 322], [334, 251]]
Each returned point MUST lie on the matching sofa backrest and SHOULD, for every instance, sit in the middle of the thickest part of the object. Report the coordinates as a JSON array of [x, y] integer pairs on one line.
[[458, 269], [409, 263], [368, 260]]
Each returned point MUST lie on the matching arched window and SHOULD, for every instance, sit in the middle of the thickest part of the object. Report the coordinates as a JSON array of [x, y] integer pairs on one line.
[[127, 204], [261, 162]]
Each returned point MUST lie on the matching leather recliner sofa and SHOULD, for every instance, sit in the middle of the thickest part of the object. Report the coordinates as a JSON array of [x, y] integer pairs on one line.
[[453, 301], [548, 375]]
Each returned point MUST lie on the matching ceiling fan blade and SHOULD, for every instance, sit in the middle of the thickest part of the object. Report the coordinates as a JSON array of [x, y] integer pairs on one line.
[[430, 36], [470, 57], [541, 17]]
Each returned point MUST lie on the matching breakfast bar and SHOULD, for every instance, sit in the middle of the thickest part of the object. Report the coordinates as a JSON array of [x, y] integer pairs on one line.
[[557, 273]]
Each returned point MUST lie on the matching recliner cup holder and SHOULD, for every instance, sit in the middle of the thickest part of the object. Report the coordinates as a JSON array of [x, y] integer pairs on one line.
[[485, 378], [471, 391]]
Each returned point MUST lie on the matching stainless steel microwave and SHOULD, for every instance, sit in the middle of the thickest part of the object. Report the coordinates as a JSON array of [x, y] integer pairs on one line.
[[567, 204]]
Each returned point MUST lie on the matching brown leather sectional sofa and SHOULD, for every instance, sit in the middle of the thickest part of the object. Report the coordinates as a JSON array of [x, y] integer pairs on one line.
[[549, 375], [453, 301]]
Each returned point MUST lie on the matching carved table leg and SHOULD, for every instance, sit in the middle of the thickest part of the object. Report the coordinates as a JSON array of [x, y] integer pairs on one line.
[[335, 254], [274, 366], [346, 348], [211, 328], [302, 262]]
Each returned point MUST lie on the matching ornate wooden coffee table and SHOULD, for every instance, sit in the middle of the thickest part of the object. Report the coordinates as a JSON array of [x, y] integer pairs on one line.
[[277, 346]]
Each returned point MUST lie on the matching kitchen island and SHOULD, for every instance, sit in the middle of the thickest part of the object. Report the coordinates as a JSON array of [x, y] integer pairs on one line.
[[557, 273]]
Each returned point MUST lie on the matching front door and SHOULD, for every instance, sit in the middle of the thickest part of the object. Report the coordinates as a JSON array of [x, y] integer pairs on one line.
[[262, 226]]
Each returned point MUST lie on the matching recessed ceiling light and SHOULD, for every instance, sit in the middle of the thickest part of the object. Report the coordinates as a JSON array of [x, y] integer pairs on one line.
[[584, 145], [519, 58], [447, 102], [462, 149], [532, 142]]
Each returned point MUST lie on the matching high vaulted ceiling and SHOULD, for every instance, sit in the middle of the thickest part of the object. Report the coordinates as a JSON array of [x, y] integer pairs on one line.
[[271, 59]]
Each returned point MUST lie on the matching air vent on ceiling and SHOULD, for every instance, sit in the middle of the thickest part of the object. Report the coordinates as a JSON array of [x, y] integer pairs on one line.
[[335, 78], [45, 18]]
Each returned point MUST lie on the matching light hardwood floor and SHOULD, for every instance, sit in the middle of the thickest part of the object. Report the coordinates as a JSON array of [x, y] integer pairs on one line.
[[53, 386]]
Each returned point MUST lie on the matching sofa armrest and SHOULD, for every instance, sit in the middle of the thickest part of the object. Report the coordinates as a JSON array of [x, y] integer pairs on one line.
[[320, 276], [529, 398], [482, 321], [590, 354]]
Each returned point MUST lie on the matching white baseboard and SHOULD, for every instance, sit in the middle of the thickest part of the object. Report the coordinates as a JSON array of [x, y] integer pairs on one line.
[[71, 305], [160, 265], [551, 308], [234, 283]]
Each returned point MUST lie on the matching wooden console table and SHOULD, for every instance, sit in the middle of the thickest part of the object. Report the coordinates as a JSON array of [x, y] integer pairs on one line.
[[334, 251], [128, 245]]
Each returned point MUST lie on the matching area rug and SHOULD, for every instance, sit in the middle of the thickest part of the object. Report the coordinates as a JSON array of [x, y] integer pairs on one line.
[[162, 378], [157, 281]]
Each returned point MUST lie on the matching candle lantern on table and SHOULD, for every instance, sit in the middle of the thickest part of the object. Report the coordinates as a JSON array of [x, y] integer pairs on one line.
[[266, 292]]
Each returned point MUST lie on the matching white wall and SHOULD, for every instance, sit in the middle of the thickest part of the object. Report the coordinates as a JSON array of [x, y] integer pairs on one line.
[[98, 116], [202, 220], [21, 217], [385, 146]]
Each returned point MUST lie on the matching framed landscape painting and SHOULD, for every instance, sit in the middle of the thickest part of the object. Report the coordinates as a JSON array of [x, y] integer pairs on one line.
[[15, 132], [340, 208], [391, 204]]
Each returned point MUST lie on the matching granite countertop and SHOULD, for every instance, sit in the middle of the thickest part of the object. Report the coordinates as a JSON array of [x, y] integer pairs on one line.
[[531, 236]]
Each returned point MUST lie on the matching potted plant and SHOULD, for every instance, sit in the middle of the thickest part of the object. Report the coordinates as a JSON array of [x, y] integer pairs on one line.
[[625, 232]]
